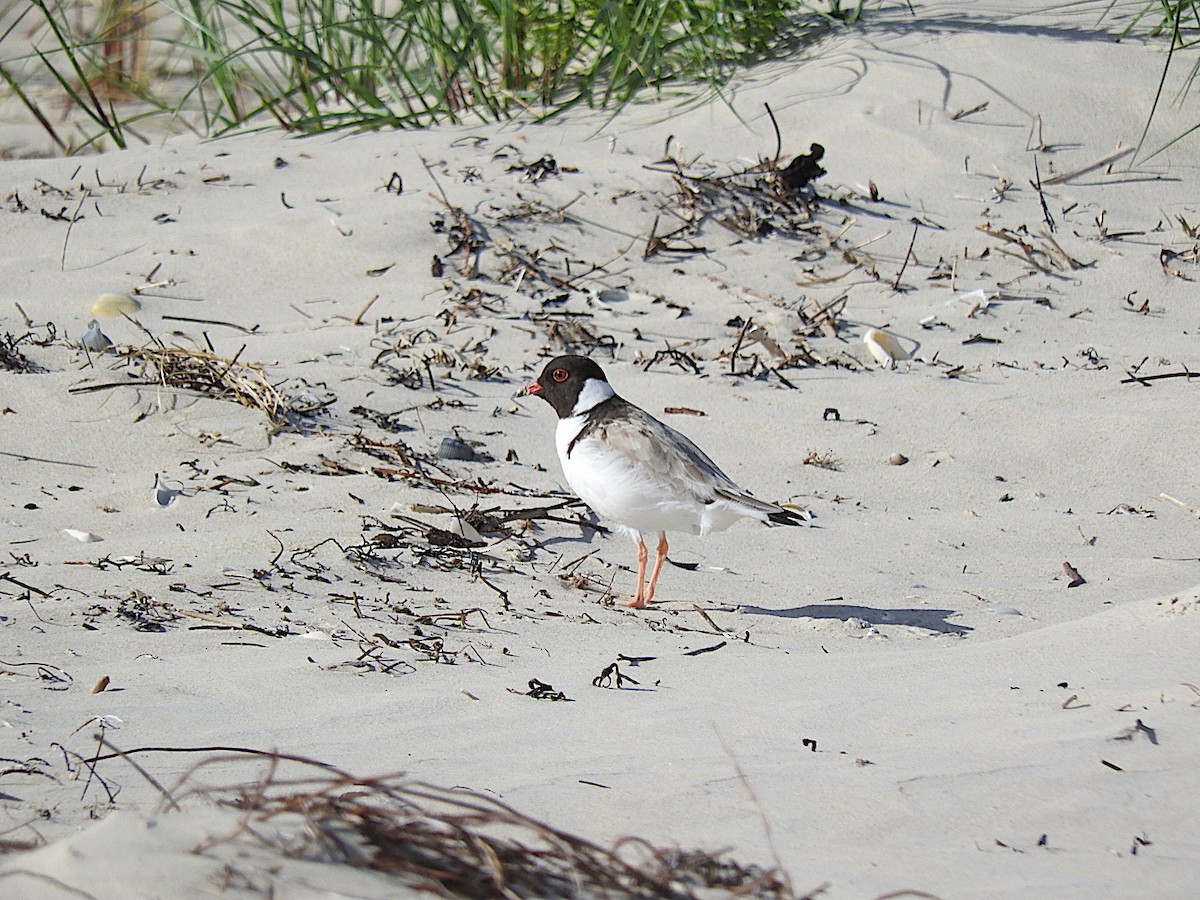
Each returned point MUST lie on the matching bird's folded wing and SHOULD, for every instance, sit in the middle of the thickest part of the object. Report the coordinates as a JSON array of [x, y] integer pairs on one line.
[[667, 457]]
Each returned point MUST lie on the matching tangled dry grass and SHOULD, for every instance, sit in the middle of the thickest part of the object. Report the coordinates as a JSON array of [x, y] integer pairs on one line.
[[205, 373], [449, 842]]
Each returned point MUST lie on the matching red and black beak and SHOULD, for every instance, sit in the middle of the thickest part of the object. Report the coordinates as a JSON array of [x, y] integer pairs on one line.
[[533, 387]]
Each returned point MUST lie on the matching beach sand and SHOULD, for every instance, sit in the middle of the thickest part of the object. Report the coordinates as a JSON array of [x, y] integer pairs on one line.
[[915, 693]]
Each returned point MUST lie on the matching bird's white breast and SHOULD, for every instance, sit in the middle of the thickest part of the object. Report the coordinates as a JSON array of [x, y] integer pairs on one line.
[[619, 489]]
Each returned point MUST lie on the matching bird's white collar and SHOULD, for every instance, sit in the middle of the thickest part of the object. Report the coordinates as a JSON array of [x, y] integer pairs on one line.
[[595, 392]]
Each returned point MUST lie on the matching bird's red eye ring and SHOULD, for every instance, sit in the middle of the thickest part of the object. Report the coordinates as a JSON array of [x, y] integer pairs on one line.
[[560, 375]]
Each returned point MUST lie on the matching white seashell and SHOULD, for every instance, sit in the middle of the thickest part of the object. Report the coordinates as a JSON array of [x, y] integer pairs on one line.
[[974, 301], [466, 530], [109, 306], [885, 347], [94, 339], [1005, 611], [164, 492], [85, 536]]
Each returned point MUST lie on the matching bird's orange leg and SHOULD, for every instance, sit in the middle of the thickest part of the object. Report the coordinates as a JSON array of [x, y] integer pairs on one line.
[[639, 600], [659, 558]]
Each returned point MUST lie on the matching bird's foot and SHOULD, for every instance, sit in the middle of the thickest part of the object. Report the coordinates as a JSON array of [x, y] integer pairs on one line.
[[638, 602]]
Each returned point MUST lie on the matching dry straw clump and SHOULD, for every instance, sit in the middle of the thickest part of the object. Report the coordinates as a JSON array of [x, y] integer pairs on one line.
[[448, 842], [463, 844], [286, 404], [212, 375]]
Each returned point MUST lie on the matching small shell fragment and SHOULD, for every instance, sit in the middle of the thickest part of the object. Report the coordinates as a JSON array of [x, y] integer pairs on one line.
[[885, 347], [456, 448], [608, 296], [465, 529], [143, 560], [86, 537], [974, 301], [758, 333], [94, 339], [612, 295], [897, 459], [101, 685], [109, 306], [165, 492]]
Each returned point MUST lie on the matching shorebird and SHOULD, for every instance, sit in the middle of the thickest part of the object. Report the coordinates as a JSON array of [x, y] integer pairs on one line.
[[633, 470]]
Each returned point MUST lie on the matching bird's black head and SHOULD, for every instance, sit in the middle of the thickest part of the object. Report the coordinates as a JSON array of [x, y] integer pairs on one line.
[[564, 379]]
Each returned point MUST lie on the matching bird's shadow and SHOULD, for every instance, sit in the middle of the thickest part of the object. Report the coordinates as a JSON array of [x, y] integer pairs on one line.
[[929, 619]]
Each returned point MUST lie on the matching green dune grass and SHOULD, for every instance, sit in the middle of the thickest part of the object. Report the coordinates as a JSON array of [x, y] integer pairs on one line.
[[312, 66]]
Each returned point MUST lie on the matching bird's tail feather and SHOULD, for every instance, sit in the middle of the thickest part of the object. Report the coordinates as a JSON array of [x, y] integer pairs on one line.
[[785, 517], [759, 508]]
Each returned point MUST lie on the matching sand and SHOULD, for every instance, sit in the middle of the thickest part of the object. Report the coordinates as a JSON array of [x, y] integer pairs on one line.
[[912, 694]]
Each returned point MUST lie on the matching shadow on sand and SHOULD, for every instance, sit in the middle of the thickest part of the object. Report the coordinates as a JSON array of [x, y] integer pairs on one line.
[[930, 619]]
